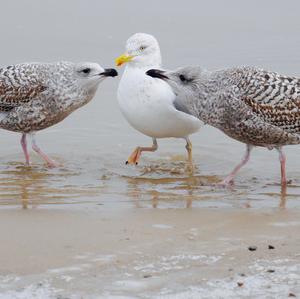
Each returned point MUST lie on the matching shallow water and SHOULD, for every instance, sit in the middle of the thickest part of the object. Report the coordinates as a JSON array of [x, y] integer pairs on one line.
[[95, 141]]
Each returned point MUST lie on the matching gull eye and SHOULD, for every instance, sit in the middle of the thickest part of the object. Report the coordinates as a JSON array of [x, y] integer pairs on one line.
[[142, 48], [182, 78], [86, 70]]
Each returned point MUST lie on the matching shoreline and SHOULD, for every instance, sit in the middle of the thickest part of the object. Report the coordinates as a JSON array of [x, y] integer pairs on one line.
[[122, 249]]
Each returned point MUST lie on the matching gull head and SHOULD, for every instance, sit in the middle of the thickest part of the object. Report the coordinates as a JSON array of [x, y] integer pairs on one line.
[[142, 50], [185, 78], [88, 74]]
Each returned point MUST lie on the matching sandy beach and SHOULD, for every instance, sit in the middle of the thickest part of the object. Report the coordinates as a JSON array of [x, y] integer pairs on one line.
[[149, 253], [97, 228]]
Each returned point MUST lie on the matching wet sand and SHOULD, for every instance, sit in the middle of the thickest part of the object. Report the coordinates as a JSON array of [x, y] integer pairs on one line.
[[96, 228], [149, 253]]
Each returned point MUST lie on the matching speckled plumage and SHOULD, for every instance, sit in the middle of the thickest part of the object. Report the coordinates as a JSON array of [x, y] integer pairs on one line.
[[251, 105], [35, 96]]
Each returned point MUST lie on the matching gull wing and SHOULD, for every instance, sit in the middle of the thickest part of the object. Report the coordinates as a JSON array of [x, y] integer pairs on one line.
[[180, 105], [19, 84], [272, 97]]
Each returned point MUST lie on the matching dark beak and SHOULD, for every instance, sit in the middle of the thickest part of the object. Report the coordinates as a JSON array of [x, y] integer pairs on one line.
[[157, 74], [109, 73]]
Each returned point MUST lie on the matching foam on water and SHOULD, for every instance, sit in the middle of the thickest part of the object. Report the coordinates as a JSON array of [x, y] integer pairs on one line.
[[278, 284], [264, 279], [32, 292]]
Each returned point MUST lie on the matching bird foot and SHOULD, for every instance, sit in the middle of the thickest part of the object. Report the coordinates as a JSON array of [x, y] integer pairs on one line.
[[190, 169], [129, 162], [53, 164], [134, 157], [227, 183]]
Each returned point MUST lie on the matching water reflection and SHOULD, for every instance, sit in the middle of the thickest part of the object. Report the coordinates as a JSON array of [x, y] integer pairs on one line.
[[283, 197], [157, 186], [39, 185]]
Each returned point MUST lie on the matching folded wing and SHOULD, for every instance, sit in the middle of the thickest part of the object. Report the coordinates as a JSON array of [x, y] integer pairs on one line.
[[19, 84], [271, 96]]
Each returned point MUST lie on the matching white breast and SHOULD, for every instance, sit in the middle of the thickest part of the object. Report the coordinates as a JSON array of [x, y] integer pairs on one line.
[[147, 104]]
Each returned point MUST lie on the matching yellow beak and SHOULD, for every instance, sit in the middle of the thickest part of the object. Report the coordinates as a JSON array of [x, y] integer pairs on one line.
[[123, 59]]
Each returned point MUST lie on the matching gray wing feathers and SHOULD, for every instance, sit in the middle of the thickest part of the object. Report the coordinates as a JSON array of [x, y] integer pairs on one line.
[[180, 105]]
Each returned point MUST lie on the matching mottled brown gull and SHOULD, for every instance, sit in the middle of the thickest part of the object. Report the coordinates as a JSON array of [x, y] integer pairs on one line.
[[35, 96], [254, 106]]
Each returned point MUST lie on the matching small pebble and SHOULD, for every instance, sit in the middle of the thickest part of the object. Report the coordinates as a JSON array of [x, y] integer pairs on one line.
[[240, 284], [292, 295], [147, 276], [252, 248], [271, 247], [270, 271]]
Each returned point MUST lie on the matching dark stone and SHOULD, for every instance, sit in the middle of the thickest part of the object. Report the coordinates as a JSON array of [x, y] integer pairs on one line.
[[252, 248]]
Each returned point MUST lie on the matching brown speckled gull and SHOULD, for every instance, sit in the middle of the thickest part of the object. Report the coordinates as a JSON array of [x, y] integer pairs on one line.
[[251, 105], [35, 96]]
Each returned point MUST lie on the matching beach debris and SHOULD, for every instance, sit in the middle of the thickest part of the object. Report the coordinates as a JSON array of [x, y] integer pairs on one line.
[[252, 248]]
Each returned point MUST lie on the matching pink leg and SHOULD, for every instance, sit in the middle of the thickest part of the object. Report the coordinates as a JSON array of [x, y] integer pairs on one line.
[[282, 160], [229, 179], [24, 147], [49, 161]]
